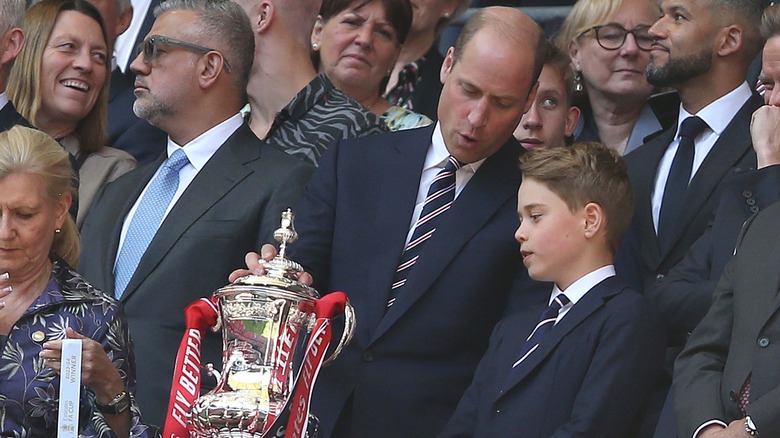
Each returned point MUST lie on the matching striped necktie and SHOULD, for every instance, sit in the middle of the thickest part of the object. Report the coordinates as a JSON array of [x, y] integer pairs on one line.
[[147, 219], [545, 324], [440, 196]]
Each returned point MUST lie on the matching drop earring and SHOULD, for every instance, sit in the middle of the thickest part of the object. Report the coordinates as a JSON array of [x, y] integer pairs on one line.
[[578, 87]]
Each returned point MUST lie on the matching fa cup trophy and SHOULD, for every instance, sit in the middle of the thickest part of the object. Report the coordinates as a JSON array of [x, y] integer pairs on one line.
[[275, 333]]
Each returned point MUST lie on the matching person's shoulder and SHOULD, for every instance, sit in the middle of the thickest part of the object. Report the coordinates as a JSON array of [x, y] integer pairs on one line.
[[76, 288]]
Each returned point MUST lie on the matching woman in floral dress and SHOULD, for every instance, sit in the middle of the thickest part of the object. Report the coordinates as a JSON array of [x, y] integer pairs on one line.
[[43, 301]]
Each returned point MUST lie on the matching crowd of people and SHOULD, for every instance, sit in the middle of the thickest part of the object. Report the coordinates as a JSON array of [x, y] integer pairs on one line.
[[562, 235]]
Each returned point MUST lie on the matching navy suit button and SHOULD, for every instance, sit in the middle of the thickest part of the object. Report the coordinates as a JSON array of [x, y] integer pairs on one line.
[[368, 356], [659, 276], [763, 342], [747, 193], [751, 201], [754, 209]]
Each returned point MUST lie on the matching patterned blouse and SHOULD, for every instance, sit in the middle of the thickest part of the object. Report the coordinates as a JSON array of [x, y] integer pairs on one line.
[[398, 119], [29, 390]]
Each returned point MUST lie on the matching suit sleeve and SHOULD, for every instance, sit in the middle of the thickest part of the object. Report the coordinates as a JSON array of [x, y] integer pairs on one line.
[[464, 420], [315, 224], [698, 370], [621, 373], [684, 295], [287, 194]]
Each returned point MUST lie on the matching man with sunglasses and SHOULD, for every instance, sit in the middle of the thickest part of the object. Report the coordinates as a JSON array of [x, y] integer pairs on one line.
[[703, 49], [170, 232]]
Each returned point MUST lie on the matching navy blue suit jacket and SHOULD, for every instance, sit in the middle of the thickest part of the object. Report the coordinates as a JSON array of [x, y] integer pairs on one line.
[[9, 118], [406, 368], [588, 378]]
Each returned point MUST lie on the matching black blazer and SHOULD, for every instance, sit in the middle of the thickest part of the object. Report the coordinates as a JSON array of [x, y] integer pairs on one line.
[[9, 117], [231, 207], [731, 153]]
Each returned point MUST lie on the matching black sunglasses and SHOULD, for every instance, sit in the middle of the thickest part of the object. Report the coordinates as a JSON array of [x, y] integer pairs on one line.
[[612, 36], [149, 48]]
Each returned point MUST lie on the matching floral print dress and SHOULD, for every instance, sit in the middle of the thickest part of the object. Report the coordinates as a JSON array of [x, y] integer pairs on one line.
[[29, 390]]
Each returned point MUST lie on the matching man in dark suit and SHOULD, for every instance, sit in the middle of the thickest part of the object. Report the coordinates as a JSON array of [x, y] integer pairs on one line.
[[704, 56], [229, 194], [726, 380], [685, 294], [416, 346], [703, 49], [11, 42]]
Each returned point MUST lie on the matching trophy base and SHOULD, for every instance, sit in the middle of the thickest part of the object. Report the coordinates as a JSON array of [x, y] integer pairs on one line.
[[240, 414]]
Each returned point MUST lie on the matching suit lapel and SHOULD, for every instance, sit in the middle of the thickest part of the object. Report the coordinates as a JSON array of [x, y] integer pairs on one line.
[[732, 145], [644, 184], [581, 311], [487, 191], [401, 168], [221, 173]]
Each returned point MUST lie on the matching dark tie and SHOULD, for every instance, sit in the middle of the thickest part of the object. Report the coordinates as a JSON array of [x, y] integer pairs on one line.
[[677, 183], [545, 324], [439, 199], [147, 219]]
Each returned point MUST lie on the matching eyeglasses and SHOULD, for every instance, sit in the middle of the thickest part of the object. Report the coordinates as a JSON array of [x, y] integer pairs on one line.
[[613, 36], [149, 47]]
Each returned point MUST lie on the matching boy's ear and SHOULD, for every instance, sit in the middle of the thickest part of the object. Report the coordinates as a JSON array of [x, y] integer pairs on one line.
[[595, 220]]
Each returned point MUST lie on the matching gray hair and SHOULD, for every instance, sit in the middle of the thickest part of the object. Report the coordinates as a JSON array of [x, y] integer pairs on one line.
[[11, 14], [224, 22]]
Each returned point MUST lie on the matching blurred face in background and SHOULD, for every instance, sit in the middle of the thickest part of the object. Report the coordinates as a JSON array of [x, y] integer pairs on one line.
[[551, 118]]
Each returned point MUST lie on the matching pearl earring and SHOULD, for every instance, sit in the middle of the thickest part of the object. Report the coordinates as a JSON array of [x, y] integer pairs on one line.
[[315, 46]]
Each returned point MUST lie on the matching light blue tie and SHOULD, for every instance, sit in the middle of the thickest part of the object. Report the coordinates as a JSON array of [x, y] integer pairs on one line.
[[147, 219]]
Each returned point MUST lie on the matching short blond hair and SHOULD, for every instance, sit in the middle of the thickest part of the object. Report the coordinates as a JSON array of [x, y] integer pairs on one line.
[[29, 151], [582, 173]]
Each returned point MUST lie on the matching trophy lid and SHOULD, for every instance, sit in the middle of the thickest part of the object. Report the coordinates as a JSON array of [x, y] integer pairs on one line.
[[281, 272]]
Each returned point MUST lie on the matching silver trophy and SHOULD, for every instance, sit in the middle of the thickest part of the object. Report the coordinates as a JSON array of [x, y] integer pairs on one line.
[[267, 321]]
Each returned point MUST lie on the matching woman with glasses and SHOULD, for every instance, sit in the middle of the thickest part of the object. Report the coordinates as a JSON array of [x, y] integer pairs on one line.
[[59, 82], [609, 45]]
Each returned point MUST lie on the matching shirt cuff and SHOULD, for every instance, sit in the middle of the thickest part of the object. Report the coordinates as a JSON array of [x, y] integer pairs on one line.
[[708, 423]]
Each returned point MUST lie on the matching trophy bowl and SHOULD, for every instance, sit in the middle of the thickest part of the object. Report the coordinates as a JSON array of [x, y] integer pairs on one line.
[[267, 322]]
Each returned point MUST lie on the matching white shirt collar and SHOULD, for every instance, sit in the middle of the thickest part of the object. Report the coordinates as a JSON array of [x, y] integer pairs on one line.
[[202, 147], [3, 99], [579, 288], [720, 112], [438, 153]]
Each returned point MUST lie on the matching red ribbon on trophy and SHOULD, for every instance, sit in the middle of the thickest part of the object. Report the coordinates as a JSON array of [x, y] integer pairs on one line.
[[202, 315], [199, 316]]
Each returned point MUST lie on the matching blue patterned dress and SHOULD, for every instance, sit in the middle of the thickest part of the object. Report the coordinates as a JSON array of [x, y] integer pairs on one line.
[[29, 390]]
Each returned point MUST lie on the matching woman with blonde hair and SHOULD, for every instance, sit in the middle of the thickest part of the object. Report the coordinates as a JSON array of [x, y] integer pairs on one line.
[[609, 45], [59, 83], [44, 301]]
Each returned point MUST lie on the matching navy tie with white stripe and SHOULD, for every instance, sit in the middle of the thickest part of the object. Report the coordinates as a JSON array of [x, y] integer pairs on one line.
[[545, 324], [440, 196]]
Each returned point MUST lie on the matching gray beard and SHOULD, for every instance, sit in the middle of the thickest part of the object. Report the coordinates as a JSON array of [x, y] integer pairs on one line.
[[677, 71]]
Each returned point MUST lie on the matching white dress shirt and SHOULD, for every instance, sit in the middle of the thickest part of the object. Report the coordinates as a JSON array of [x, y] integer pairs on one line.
[[3, 100], [717, 115]]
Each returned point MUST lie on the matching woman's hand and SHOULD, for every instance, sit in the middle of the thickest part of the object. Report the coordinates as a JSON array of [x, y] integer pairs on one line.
[[5, 288], [97, 371]]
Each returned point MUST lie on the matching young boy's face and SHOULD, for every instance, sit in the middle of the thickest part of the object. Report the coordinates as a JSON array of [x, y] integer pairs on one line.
[[550, 119], [550, 235]]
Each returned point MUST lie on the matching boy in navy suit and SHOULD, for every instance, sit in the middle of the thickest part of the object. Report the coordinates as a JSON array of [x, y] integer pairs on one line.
[[585, 367]]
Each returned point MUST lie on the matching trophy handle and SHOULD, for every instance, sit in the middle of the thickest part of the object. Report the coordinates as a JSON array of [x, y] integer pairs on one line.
[[346, 336]]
